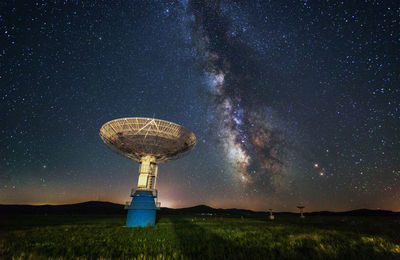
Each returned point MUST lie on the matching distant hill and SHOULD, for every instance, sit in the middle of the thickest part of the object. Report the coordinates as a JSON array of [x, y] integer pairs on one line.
[[106, 208], [357, 212], [90, 207], [204, 209]]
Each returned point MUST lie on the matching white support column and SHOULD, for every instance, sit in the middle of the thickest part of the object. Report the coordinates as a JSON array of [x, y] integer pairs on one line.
[[145, 173], [155, 175]]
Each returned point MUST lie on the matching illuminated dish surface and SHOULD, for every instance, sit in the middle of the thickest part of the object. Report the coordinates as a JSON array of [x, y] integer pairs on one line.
[[137, 137]]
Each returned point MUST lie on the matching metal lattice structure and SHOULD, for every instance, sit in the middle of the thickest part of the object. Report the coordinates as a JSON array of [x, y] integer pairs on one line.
[[137, 137]]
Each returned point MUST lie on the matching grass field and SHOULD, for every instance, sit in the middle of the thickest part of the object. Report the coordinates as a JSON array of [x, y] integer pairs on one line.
[[198, 237]]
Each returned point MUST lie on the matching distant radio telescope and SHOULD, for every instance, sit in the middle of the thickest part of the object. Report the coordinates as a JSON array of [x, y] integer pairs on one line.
[[301, 211], [149, 142], [271, 217]]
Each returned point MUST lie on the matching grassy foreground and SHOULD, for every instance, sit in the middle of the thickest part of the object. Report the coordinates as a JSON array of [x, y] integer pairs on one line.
[[197, 237]]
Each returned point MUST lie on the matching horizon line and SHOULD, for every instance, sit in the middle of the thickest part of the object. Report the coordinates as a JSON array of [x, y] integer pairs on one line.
[[266, 211]]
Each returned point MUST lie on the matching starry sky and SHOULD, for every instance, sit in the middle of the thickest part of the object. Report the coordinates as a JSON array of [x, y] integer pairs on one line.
[[292, 102]]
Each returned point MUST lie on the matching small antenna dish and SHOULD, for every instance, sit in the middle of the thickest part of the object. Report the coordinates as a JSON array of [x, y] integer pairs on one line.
[[271, 217], [301, 211]]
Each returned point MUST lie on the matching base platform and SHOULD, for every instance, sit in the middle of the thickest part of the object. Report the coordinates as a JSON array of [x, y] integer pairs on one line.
[[142, 210]]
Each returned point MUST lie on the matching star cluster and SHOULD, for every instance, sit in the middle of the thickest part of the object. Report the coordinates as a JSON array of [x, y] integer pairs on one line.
[[291, 102]]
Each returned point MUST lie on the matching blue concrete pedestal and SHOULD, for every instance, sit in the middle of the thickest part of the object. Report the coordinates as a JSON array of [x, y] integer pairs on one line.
[[142, 210]]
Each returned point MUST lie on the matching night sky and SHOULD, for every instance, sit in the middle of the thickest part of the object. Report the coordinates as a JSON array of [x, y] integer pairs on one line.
[[291, 102]]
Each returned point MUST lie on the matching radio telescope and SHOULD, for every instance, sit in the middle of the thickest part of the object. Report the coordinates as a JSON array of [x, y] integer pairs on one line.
[[149, 142], [271, 217], [301, 211]]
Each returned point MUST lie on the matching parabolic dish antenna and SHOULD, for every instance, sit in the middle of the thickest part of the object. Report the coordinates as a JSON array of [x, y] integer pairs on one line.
[[148, 141], [137, 137]]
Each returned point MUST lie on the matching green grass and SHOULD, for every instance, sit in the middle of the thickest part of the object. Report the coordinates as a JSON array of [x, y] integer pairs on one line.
[[195, 237]]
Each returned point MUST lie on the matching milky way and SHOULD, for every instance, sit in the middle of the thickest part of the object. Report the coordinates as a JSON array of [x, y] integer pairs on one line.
[[251, 143], [290, 101]]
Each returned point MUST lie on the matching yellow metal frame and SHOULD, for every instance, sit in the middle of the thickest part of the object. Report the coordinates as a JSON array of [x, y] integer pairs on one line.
[[138, 137]]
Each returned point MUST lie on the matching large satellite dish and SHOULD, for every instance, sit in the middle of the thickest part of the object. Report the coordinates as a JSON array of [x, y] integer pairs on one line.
[[148, 141], [138, 137]]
